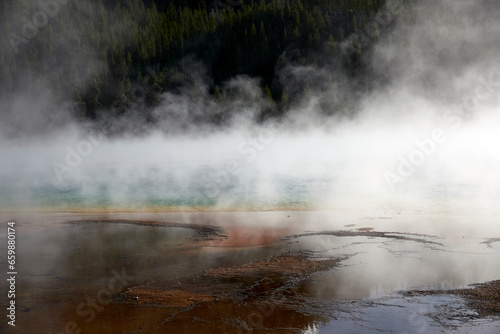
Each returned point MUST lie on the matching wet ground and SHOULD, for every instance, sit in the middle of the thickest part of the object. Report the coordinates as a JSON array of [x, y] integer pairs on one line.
[[258, 272]]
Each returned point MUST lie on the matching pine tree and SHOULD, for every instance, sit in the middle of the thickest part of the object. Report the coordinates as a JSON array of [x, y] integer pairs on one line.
[[253, 31], [267, 93]]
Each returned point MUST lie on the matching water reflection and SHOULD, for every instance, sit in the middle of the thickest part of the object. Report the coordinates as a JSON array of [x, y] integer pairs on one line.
[[311, 329], [64, 265], [376, 267]]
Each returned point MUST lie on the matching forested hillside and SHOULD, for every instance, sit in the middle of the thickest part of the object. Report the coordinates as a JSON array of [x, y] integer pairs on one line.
[[97, 52]]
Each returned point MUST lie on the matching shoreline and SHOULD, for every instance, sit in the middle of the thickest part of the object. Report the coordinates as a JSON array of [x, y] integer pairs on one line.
[[158, 210]]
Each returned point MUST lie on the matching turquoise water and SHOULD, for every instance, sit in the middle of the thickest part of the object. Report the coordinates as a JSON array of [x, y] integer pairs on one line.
[[212, 187], [197, 188]]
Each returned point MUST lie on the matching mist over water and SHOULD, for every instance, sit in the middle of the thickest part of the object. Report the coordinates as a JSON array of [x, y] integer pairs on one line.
[[421, 138], [394, 172]]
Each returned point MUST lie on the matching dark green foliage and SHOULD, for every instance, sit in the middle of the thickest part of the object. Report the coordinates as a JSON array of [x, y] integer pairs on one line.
[[118, 54]]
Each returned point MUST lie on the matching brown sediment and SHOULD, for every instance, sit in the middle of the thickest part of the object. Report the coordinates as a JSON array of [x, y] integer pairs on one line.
[[174, 298], [368, 232], [285, 264], [244, 236], [484, 298], [490, 241], [365, 229], [206, 231], [228, 283]]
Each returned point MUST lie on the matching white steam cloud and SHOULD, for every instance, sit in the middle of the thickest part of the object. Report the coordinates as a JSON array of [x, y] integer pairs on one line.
[[419, 134]]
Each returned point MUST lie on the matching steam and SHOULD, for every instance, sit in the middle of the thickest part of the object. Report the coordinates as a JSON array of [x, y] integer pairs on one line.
[[416, 135]]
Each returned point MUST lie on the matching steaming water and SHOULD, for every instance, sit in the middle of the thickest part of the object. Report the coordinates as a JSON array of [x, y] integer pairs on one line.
[[163, 190], [432, 70], [433, 64], [210, 186]]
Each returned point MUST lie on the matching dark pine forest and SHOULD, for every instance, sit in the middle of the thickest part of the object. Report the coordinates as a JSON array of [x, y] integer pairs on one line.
[[97, 52]]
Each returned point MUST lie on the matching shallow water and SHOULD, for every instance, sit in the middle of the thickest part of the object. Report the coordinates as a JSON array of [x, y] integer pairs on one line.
[[376, 267], [62, 265], [443, 314]]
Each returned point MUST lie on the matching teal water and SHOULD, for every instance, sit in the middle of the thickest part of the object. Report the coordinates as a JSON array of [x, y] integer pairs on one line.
[[212, 187], [195, 189]]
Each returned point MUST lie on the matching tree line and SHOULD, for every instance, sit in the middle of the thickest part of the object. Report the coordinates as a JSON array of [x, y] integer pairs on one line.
[[97, 51]]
